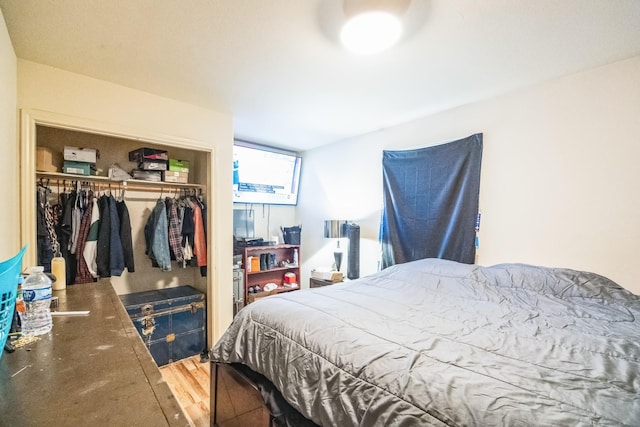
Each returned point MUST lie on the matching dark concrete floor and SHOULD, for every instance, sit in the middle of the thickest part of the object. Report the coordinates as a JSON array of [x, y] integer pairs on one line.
[[87, 371]]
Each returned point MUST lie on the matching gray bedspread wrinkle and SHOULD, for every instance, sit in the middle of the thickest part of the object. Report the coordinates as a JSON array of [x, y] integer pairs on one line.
[[435, 342]]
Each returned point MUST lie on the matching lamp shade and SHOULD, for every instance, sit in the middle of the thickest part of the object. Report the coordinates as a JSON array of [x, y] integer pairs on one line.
[[335, 228]]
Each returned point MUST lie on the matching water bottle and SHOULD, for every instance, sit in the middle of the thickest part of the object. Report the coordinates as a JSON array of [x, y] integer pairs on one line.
[[36, 293]]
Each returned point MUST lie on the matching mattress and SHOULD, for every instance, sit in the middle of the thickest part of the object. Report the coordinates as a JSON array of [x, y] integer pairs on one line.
[[434, 342]]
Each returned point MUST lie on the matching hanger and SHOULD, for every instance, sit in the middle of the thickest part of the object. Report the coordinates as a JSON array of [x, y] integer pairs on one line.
[[59, 192]]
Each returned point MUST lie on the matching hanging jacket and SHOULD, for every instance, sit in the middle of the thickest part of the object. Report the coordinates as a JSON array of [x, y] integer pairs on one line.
[[45, 249], [91, 245], [157, 238], [76, 219], [188, 230], [203, 209], [49, 219], [83, 275], [125, 235], [116, 257], [175, 228], [199, 240], [63, 231], [104, 238]]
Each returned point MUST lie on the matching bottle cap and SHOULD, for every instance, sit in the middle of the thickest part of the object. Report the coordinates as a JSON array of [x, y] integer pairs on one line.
[[37, 269]]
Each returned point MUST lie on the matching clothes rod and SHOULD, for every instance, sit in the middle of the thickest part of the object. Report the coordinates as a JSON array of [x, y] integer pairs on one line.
[[104, 182], [124, 185]]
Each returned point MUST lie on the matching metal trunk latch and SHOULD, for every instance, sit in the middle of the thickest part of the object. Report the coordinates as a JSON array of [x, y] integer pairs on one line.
[[148, 322]]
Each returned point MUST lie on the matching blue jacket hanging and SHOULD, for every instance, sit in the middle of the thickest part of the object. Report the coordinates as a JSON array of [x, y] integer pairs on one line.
[[157, 237]]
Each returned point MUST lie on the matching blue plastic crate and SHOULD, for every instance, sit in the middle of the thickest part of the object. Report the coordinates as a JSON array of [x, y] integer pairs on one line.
[[9, 279]]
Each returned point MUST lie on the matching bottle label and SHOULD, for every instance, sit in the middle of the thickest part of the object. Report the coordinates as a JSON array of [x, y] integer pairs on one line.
[[37, 294]]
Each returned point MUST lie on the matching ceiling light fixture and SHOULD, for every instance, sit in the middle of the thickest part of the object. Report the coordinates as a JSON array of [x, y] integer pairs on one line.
[[372, 26]]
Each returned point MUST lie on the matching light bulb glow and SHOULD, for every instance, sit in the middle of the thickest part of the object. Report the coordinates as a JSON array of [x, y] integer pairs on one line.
[[371, 32]]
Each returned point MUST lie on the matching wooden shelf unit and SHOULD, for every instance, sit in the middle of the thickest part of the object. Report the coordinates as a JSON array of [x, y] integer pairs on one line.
[[275, 275]]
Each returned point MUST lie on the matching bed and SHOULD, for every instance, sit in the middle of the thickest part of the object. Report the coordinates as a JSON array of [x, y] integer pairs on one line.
[[435, 342]]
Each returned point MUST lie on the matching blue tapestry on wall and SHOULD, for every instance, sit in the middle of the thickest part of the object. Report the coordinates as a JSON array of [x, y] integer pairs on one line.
[[431, 198]]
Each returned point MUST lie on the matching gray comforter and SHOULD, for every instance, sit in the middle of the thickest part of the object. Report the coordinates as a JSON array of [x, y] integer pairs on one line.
[[434, 342]]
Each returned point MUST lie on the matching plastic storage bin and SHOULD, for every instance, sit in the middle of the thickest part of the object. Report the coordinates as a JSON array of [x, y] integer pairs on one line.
[[9, 279]]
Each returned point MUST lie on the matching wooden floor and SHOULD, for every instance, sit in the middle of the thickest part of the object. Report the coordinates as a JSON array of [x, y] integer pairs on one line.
[[189, 382]]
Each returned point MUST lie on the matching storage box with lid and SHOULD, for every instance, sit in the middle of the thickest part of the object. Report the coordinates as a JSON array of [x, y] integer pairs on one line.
[[176, 165], [76, 154], [171, 176], [170, 321], [147, 155], [79, 168], [153, 165], [154, 176]]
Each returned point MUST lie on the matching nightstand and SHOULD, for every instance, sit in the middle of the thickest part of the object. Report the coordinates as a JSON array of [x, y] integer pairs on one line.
[[318, 283]]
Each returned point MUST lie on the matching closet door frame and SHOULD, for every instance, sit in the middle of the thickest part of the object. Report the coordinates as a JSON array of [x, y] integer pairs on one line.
[[31, 118]]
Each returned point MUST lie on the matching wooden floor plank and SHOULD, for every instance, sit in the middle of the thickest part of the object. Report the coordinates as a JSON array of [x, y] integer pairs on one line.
[[189, 382], [203, 376], [182, 390], [199, 414]]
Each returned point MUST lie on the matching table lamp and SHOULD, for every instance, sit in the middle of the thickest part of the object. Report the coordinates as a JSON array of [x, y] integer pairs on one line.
[[336, 229]]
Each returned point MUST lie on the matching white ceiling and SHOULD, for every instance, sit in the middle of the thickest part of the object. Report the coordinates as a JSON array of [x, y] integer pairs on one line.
[[277, 66]]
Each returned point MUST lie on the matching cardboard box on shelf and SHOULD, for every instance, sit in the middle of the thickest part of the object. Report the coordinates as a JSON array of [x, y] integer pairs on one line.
[[147, 155], [47, 160], [179, 165], [180, 177], [87, 155], [79, 168], [155, 165], [155, 176]]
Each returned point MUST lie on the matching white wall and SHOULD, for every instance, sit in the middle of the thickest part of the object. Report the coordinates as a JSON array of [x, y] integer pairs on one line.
[[49, 89], [10, 213], [560, 183]]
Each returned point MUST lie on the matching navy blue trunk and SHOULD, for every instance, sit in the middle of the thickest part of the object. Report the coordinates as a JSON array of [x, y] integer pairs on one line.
[[170, 321]]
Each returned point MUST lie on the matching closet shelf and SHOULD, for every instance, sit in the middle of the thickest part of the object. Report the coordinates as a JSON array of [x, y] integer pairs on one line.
[[130, 184]]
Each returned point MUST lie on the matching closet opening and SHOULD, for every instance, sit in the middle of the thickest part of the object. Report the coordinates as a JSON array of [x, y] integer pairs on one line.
[[55, 132]]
